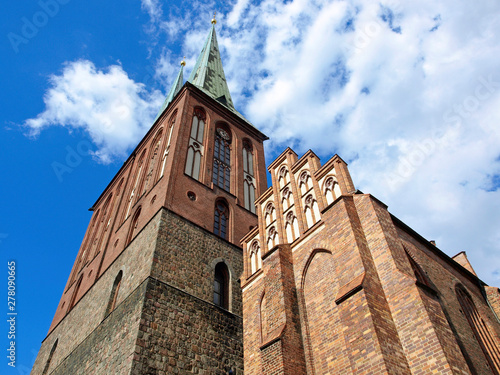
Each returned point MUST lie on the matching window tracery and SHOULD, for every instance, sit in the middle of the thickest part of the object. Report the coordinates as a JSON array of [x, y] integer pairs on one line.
[[222, 160], [195, 148]]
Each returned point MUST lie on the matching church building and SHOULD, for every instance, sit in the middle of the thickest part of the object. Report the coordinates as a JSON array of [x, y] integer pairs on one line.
[[191, 264]]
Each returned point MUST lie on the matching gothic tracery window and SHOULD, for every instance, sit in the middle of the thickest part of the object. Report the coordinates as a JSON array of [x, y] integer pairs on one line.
[[221, 219], [282, 177], [286, 198], [269, 213], [305, 182], [255, 257], [291, 227], [195, 147], [222, 159], [272, 238], [331, 189], [249, 182], [311, 210]]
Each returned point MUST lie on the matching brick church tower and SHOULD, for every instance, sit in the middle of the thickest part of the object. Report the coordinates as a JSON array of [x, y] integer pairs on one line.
[[155, 285], [190, 264]]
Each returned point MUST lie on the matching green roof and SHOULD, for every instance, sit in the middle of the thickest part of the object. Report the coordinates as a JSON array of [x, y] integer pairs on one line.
[[174, 90], [208, 73]]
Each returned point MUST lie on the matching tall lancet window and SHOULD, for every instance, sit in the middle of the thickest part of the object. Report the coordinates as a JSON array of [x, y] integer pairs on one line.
[[305, 182], [311, 210], [167, 145], [331, 189], [248, 176], [283, 177], [291, 227], [153, 158], [221, 286], [480, 329], [133, 189], [222, 159], [221, 219], [255, 257], [286, 198], [195, 147]]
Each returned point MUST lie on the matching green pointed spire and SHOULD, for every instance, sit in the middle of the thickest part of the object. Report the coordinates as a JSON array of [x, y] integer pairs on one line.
[[208, 74], [174, 90]]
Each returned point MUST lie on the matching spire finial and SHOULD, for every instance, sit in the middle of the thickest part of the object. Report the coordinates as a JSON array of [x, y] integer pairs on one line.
[[214, 21], [183, 62]]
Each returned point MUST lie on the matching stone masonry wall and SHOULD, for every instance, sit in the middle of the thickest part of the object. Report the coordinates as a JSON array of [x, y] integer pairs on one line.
[[182, 334], [135, 262], [109, 349], [186, 257]]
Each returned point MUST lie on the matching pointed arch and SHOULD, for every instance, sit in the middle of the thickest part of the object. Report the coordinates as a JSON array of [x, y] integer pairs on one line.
[[255, 257], [305, 182], [283, 177], [166, 149], [133, 226], [311, 210], [221, 286], [51, 354], [331, 189], [114, 294], [154, 154], [134, 187], [221, 219], [269, 213], [221, 176], [263, 321], [480, 329], [75, 293], [249, 181], [195, 148]]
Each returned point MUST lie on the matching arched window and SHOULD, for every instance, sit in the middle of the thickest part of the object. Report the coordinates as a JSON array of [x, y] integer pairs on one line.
[[221, 219], [221, 286], [291, 227], [195, 147], [103, 224], [133, 188], [282, 177], [305, 182], [114, 294], [272, 238], [255, 257], [331, 189], [270, 213], [133, 226], [480, 329], [249, 182], [167, 145], [153, 158], [286, 198], [311, 210], [51, 354], [222, 159]]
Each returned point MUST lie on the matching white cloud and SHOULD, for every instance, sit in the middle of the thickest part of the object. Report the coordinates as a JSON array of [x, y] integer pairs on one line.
[[113, 109], [407, 92], [415, 110]]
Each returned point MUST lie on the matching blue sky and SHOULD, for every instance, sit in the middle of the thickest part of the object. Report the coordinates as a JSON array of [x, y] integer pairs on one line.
[[407, 94]]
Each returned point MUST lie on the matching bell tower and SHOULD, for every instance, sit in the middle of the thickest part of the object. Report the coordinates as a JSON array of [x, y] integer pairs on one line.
[[155, 285]]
